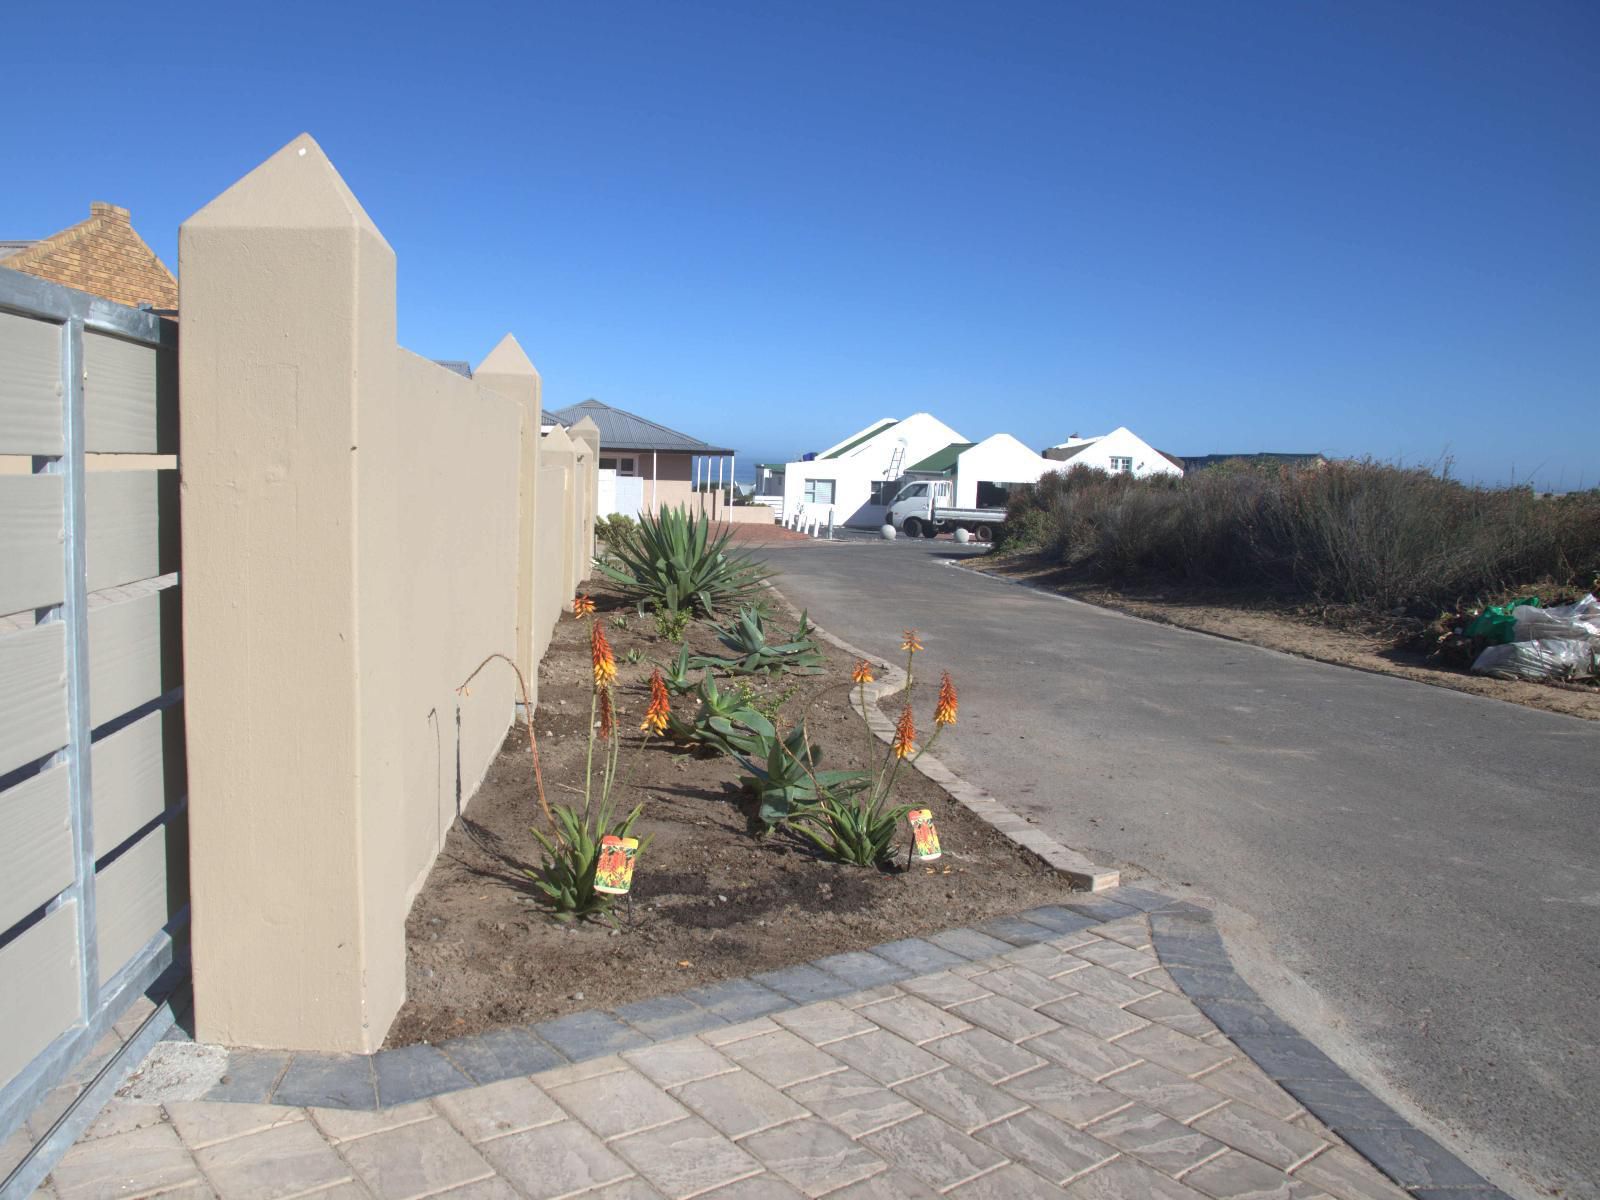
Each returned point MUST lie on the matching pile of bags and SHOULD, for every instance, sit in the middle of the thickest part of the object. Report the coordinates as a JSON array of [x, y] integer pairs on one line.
[[1528, 641]]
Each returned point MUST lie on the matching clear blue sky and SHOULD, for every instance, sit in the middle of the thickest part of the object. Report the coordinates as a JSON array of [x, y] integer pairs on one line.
[[1361, 228]]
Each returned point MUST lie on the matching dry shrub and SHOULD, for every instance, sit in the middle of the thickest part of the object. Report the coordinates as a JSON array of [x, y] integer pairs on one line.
[[1356, 533]]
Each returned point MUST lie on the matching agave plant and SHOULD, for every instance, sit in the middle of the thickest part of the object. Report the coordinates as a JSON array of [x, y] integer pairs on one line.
[[723, 721], [753, 653], [676, 674], [785, 780], [675, 563], [858, 830]]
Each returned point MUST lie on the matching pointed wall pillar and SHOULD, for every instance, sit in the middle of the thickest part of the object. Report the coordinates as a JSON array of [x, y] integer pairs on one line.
[[588, 485]]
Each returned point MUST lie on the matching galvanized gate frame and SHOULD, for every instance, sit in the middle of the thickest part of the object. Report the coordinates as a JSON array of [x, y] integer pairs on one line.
[[159, 966]]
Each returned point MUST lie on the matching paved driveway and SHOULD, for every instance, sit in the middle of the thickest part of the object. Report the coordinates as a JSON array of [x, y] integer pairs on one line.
[[1409, 873]]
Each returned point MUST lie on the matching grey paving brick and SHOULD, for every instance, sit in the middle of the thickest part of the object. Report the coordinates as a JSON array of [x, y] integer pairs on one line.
[[739, 1104], [918, 956], [413, 1073], [1066, 1094], [969, 943], [1197, 983], [822, 1023], [862, 970], [677, 1062], [1110, 986], [1344, 1173], [588, 1035], [1118, 957], [986, 1055], [686, 1158], [887, 1185], [1058, 919], [1344, 1104], [1155, 1139], [1143, 899], [1100, 909], [738, 999], [1125, 1179], [1004, 1017], [1202, 950], [1010, 1182], [664, 1017], [1175, 1051], [804, 984], [1284, 1058], [852, 1102], [1023, 986], [1483, 1193], [1175, 1012], [1051, 1147], [1272, 1141], [250, 1075], [1232, 1174], [492, 1111], [618, 1104], [814, 1157], [1243, 1016], [884, 1057], [1093, 1015], [328, 1081], [1243, 1080], [1014, 930], [554, 1160], [937, 1153], [343, 1124], [782, 1058], [1158, 1088], [913, 1018], [285, 1160], [1412, 1158], [757, 1187], [961, 1098], [202, 1123], [137, 1162], [415, 1161], [500, 1054], [1090, 1056], [944, 989]]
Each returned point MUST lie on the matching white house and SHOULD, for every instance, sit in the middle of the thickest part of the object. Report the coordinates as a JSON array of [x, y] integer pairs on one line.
[[983, 472], [856, 477], [1120, 452]]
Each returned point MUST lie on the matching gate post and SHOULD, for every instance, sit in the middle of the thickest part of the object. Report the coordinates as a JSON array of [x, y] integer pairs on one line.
[[288, 302]]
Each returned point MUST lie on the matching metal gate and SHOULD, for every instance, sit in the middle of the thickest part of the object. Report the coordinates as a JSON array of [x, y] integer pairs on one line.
[[93, 851]]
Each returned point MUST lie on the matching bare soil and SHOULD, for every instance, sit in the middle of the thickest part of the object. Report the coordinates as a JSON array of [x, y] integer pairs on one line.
[[1325, 635], [710, 900]]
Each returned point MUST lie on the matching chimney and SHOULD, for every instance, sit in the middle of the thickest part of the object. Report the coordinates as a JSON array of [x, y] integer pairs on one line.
[[99, 208]]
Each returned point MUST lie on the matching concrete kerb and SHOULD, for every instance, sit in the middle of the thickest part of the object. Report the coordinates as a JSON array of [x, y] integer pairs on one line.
[[1084, 874]]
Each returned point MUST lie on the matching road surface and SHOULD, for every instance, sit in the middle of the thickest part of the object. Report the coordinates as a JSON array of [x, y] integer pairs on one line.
[[1410, 874]]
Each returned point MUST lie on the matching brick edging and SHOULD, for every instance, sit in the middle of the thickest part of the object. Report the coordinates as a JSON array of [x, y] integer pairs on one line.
[[1075, 866]]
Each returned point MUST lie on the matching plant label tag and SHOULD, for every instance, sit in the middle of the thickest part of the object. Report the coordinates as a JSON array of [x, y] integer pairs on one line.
[[613, 874], [927, 837]]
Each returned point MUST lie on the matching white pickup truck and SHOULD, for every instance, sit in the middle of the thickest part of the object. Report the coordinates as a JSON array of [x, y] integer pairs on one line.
[[923, 509]]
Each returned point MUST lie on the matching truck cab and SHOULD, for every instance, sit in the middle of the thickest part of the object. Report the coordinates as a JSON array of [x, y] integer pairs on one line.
[[915, 502]]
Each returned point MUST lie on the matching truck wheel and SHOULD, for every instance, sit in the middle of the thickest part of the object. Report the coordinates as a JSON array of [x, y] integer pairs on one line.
[[930, 530], [912, 527], [984, 533]]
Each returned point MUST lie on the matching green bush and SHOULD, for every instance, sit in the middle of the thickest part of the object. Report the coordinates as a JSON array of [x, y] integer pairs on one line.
[[672, 562], [614, 526], [1359, 533]]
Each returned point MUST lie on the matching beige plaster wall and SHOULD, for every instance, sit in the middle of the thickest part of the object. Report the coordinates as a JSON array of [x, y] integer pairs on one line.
[[361, 528]]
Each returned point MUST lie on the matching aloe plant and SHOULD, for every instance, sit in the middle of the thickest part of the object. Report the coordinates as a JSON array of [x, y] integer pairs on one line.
[[858, 831], [753, 653], [785, 779], [673, 561], [723, 721]]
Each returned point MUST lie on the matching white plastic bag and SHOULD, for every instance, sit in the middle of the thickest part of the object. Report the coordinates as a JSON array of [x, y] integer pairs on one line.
[[1563, 621], [1541, 659]]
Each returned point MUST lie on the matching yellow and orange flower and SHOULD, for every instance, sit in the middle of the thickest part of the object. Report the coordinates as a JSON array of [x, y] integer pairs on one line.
[[655, 717], [944, 712], [605, 662], [909, 642], [583, 606], [862, 673], [905, 734]]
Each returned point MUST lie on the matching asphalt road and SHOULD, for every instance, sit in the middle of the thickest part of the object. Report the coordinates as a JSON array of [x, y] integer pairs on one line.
[[1410, 874]]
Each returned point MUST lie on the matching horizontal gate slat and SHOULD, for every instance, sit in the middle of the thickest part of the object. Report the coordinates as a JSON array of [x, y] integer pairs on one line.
[[39, 996], [30, 386], [32, 540], [132, 519], [33, 702], [135, 653], [130, 397], [138, 774], [136, 894], [36, 860]]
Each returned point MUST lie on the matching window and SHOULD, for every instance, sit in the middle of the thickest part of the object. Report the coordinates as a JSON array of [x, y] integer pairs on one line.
[[1121, 466], [993, 495], [622, 466], [913, 491], [885, 490], [819, 491]]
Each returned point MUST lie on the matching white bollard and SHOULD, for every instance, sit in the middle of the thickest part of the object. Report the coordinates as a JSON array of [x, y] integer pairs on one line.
[[962, 536], [887, 532]]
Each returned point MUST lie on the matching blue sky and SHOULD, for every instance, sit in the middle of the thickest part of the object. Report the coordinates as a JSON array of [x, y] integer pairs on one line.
[[1360, 228]]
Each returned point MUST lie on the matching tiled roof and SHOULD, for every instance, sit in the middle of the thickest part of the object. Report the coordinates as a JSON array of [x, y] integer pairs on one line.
[[623, 430], [463, 369], [102, 256]]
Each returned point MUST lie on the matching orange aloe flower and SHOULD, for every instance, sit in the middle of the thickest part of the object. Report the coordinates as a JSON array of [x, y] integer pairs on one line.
[[655, 717], [605, 663], [583, 606], [909, 642], [944, 713], [862, 673], [608, 716], [905, 734]]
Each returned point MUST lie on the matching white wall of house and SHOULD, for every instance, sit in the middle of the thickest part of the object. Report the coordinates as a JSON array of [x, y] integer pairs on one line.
[[1119, 452], [998, 459], [847, 483]]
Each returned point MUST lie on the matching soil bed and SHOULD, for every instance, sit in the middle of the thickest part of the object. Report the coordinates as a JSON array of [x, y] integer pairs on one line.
[[710, 901], [1332, 637]]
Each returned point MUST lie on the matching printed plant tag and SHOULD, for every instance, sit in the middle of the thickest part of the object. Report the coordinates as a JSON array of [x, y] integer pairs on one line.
[[613, 875], [927, 837]]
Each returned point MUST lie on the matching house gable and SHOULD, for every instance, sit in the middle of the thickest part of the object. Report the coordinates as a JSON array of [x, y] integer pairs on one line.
[[102, 256]]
